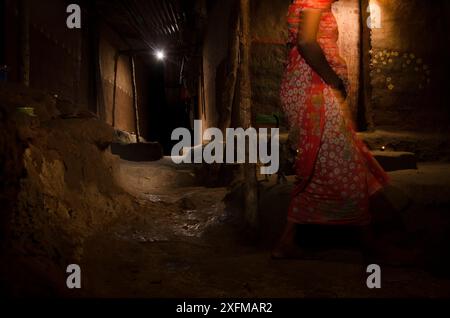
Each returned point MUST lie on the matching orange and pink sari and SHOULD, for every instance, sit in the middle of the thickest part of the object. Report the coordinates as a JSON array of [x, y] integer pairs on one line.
[[336, 172]]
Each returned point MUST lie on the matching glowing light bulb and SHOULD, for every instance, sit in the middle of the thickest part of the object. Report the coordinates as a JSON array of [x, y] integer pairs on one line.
[[160, 55]]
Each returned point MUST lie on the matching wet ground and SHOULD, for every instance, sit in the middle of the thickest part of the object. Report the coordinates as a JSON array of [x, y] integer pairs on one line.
[[182, 244]]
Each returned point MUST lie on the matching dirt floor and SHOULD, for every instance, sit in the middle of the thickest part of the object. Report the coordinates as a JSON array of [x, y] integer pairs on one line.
[[152, 229], [183, 243]]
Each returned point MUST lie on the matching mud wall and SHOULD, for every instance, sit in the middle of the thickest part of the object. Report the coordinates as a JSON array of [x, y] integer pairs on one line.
[[55, 50], [110, 44], [269, 34], [215, 53], [348, 17], [61, 63], [58, 188], [409, 65], [124, 118]]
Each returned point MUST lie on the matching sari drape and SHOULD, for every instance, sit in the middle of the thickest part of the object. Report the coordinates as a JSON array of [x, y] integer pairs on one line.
[[336, 172]]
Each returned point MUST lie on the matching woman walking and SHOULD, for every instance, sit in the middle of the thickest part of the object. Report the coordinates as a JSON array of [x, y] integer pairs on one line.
[[336, 172]]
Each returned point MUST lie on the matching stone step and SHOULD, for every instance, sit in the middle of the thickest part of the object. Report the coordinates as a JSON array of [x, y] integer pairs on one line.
[[396, 160]]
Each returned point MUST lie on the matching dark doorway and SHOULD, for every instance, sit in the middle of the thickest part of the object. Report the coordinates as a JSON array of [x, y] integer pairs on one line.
[[159, 121], [170, 107]]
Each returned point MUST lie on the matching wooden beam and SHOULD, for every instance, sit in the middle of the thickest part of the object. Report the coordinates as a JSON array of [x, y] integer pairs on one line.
[[114, 99], [229, 93], [245, 93]]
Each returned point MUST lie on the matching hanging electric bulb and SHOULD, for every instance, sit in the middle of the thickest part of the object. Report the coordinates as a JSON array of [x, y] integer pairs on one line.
[[160, 55]]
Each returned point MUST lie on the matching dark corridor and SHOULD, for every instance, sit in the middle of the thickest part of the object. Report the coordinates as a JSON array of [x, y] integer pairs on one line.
[[94, 205]]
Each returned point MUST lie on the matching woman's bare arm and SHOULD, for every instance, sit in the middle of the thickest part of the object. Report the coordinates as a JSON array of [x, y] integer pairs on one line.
[[313, 53]]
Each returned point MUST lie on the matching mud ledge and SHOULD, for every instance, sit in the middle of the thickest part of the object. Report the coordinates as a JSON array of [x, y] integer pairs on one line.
[[58, 188]]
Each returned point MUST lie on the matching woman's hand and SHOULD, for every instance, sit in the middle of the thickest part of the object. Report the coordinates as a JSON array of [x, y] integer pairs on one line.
[[339, 89]]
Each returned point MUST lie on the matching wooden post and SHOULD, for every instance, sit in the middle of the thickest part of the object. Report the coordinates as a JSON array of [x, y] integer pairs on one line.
[[97, 98], [135, 99], [245, 94], [365, 88], [116, 63], [229, 93], [24, 42]]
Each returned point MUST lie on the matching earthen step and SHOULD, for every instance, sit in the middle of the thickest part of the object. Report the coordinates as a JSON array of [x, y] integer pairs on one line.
[[156, 175], [396, 160], [427, 147]]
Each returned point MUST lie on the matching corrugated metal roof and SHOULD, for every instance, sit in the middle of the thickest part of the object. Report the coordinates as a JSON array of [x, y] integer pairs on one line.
[[146, 23]]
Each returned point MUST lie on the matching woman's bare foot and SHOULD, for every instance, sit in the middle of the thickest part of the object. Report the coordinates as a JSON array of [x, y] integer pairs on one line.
[[286, 248]]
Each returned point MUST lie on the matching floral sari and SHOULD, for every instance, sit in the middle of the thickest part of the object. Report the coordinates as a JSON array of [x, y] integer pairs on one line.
[[336, 172]]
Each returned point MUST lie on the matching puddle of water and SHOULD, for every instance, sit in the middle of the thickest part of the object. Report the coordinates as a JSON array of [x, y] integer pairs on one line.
[[153, 197]]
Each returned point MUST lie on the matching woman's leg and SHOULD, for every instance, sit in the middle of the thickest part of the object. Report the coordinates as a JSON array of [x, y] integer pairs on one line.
[[289, 233], [286, 247]]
